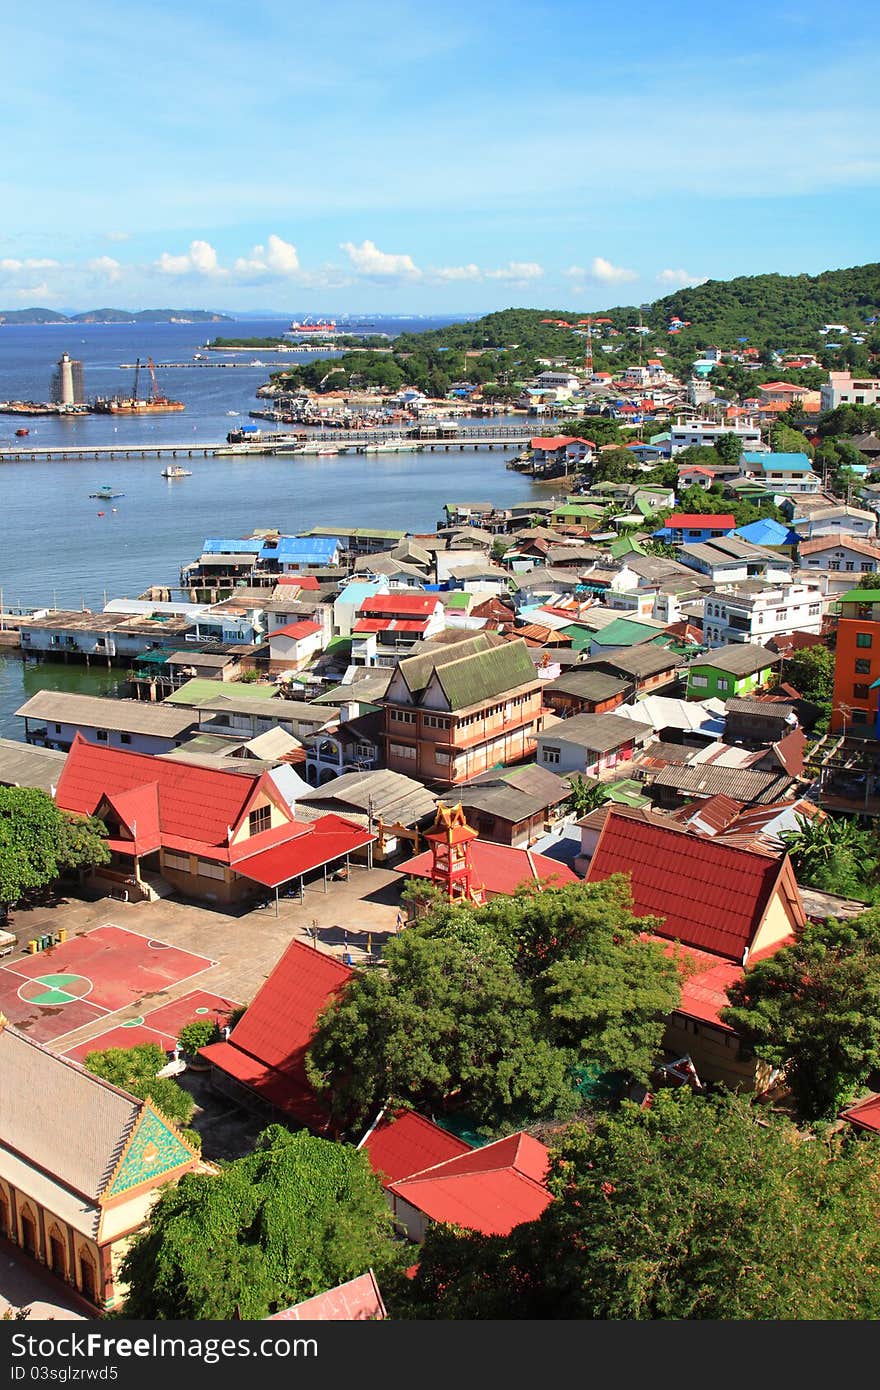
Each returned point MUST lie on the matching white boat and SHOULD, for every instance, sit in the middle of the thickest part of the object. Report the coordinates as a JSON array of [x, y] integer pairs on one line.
[[176, 472]]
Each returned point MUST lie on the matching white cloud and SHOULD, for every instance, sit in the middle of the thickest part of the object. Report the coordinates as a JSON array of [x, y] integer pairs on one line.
[[517, 271], [458, 272], [13, 266], [677, 279], [36, 293], [368, 260], [608, 273], [105, 265], [200, 259], [277, 257]]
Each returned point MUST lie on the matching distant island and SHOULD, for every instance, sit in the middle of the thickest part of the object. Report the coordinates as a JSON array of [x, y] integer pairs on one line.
[[39, 316]]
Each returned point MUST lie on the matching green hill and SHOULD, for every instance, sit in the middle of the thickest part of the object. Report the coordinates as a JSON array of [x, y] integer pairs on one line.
[[37, 316]]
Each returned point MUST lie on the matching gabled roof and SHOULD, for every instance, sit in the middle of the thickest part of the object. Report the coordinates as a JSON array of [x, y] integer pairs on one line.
[[299, 630], [736, 659], [406, 1143], [490, 1190], [480, 676], [700, 521], [600, 733], [101, 712], [501, 869], [266, 1049], [709, 895], [195, 803], [398, 603], [514, 793]]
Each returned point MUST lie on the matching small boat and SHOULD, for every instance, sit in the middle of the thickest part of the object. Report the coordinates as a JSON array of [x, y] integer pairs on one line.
[[176, 472], [326, 453], [21, 433], [233, 412], [106, 493]]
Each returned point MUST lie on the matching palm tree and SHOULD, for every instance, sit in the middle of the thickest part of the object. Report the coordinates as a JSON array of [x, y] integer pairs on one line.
[[584, 794]]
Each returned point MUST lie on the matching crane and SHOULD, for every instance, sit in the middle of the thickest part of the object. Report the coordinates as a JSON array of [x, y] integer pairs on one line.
[[155, 384], [137, 372]]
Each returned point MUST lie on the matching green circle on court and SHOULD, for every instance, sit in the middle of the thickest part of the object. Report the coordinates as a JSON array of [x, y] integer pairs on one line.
[[55, 990], [203, 1010], [132, 1022]]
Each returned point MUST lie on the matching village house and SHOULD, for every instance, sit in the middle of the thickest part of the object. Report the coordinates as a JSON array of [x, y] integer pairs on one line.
[[452, 712], [825, 521], [295, 646], [732, 670], [53, 718], [682, 528], [560, 449], [585, 691], [730, 559], [790, 473], [593, 745], [352, 744], [648, 668], [214, 835], [110, 637], [515, 805], [842, 388], [387, 626], [81, 1164], [840, 554], [685, 434]]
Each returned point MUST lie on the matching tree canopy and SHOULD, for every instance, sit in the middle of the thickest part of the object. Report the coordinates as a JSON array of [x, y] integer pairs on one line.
[[489, 1010], [834, 855], [38, 842], [693, 1208], [814, 1009], [294, 1218], [134, 1069]]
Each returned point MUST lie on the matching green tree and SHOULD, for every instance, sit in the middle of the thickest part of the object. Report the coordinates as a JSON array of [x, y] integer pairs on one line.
[[814, 1009], [488, 1009], [788, 441], [834, 855], [38, 843], [584, 794], [613, 466], [134, 1069], [811, 671], [294, 1218], [729, 449], [693, 1208]]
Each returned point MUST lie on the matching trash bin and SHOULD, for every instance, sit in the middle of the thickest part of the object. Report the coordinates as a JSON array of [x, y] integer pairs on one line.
[[62, 936], [45, 942], [33, 947]]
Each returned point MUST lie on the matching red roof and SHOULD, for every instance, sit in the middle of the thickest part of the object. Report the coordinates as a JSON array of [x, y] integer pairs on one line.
[[316, 843], [195, 803], [301, 581], [407, 1143], [400, 604], [551, 442], [705, 981], [500, 868], [697, 468], [490, 1190], [266, 1049], [304, 628], [390, 625], [702, 521], [358, 1300], [865, 1114], [712, 896]]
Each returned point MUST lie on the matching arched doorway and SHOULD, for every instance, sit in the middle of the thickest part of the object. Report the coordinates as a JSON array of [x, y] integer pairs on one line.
[[57, 1253], [88, 1280], [5, 1224], [29, 1233]]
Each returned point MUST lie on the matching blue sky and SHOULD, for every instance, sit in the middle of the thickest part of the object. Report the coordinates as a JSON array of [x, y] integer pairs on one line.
[[410, 158]]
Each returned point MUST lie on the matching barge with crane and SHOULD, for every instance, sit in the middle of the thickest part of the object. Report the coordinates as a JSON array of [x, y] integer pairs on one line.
[[154, 403]]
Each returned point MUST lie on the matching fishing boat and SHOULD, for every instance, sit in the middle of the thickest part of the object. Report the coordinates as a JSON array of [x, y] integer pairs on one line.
[[106, 493], [21, 433], [176, 472]]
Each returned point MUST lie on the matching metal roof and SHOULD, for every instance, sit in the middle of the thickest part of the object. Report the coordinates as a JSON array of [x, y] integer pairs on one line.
[[100, 712], [25, 765]]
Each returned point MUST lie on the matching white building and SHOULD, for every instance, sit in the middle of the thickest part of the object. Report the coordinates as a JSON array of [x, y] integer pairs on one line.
[[52, 719], [684, 434], [557, 381], [842, 388], [754, 612]]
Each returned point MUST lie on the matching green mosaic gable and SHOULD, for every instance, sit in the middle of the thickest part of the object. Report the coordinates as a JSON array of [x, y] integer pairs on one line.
[[154, 1149]]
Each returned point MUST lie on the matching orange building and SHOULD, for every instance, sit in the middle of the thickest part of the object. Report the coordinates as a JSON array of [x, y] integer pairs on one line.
[[857, 662], [454, 711]]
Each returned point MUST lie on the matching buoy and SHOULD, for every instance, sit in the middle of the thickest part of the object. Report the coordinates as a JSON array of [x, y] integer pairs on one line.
[[100, 513], [114, 509]]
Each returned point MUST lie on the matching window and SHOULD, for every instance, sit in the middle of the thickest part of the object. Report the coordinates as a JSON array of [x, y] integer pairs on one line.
[[550, 755], [402, 750], [860, 716], [435, 721], [175, 861], [863, 666], [125, 738], [864, 639], [259, 820], [849, 565], [834, 564], [699, 682], [814, 610], [101, 735], [866, 567], [403, 716], [206, 868], [860, 692], [58, 728], [723, 683]]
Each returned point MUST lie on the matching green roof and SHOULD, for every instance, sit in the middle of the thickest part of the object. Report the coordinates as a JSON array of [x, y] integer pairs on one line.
[[460, 599], [626, 793], [624, 632], [860, 596], [626, 545], [196, 692], [153, 658], [484, 675], [576, 509], [581, 637]]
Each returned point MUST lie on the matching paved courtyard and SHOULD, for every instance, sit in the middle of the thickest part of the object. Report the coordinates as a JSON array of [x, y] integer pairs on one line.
[[353, 918]]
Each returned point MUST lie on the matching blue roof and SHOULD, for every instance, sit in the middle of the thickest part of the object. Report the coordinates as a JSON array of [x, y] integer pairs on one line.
[[767, 531], [236, 546], [359, 590], [304, 550], [791, 463]]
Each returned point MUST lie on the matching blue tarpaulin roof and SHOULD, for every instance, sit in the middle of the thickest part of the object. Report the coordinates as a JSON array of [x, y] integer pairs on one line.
[[304, 550], [766, 531], [236, 546]]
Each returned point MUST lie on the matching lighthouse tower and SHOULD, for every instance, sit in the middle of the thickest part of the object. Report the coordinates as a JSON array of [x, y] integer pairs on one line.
[[452, 871]]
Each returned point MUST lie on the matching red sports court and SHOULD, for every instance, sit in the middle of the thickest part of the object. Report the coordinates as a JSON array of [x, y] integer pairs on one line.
[[89, 977], [161, 1025]]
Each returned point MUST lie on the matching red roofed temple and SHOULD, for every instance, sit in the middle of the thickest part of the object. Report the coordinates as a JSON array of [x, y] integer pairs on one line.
[[215, 835]]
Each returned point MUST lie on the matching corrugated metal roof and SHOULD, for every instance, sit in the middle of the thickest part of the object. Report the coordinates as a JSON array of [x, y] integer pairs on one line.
[[98, 712]]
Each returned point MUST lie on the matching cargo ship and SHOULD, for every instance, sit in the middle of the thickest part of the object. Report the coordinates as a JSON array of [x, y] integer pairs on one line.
[[134, 404], [313, 326]]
